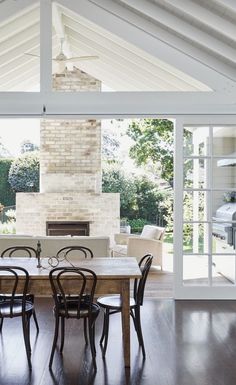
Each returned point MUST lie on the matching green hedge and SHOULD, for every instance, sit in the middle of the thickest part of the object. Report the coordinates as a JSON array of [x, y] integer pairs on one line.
[[7, 195]]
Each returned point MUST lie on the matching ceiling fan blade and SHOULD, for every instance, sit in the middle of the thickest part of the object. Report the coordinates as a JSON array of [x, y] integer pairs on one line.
[[78, 58], [31, 54]]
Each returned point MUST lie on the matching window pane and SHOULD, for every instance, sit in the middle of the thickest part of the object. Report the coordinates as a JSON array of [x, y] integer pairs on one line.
[[196, 141], [195, 173], [195, 237], [195, 205], [223, 270], [224, 174], [195, 270], [224, 141]]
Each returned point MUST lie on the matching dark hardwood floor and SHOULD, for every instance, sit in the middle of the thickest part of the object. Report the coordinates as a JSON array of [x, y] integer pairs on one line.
[[187, 343]]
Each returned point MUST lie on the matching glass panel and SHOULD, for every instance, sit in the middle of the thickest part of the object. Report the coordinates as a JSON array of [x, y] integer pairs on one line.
[[224, 141], [196, 141], [19, 51], [223, 270], [223, 237], [195, 173], [195, 237], [195, 270], [195, 205], [224, 174]]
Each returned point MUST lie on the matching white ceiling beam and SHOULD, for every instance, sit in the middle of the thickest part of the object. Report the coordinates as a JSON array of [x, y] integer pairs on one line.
[[143, 81], [230, 4], [16, 40], [11, 9], [45, 46], [109, 75], [165, 79], [182, 27], [16, 26], [22, 63], [11, 80], [18, 51], [139, 32], [169, 71], [116, 104], [202, 14]]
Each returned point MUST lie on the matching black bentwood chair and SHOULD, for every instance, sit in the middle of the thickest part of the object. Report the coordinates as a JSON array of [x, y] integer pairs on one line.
[[112, 304], [72, 251], [13, 305], [23, 252], [73, 293]]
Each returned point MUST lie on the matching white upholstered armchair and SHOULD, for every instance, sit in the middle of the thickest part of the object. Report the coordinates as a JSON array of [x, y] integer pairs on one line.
[[149, 241]]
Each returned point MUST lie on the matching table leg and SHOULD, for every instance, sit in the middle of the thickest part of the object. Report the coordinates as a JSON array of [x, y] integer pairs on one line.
[[125, 298]]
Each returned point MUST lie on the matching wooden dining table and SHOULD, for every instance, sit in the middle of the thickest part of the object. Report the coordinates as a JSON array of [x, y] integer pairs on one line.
[[113, 277]]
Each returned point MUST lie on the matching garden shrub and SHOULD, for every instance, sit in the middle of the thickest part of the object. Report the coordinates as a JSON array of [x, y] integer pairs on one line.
[[7, 195], [24, 173]]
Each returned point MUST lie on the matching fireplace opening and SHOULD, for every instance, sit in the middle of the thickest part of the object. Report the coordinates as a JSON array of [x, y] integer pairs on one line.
[[74, 228]]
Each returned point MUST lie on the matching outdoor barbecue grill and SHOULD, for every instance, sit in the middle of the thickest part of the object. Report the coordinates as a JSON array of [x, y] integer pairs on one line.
[[223, 224]]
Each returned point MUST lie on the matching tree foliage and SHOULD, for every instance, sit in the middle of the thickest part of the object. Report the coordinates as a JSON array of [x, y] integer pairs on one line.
[[7, 195], [154, 141], [24, 173], [139, 197], [114, 180]]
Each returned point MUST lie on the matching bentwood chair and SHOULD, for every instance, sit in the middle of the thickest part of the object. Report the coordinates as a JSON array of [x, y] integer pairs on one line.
[[13, 305], [23, 252], [112, 304], [71, 253], [73, 293], [74, 251]]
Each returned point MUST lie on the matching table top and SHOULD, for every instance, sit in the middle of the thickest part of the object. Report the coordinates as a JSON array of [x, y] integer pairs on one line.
[[104, 268]]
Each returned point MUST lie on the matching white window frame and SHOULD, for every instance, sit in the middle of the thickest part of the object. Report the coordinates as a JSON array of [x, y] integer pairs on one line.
[[180, 290]]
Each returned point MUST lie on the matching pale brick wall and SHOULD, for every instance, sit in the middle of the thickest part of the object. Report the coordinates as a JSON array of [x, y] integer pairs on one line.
[[70, 172], [70, 150], [33, 210]]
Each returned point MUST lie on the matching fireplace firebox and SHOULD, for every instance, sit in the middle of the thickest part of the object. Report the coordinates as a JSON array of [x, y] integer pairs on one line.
[[74, 228]]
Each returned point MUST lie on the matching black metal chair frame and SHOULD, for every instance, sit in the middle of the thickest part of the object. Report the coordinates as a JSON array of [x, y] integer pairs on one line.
[[13, 305], [67, 249], [30, 253], [135, 303], [78, 306]]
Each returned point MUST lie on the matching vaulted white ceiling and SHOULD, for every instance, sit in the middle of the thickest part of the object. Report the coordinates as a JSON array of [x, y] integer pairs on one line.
[[142, 45]]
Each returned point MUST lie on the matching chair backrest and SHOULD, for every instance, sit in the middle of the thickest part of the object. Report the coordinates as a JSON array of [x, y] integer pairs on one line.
[[15, 285], [72, 283], [19, 251], [139, 283], [74, 251]]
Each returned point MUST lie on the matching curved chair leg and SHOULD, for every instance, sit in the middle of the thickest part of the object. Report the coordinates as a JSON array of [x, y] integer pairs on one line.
[[139, 330], [105, 332], [91, 325], [35, 321], [54, 340], [1, 323], [85, 331], [25, 326], [62, 334]]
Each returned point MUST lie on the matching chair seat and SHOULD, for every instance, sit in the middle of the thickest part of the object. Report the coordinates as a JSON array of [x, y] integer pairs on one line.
[[7, 310], [72, 309], [113, 302]]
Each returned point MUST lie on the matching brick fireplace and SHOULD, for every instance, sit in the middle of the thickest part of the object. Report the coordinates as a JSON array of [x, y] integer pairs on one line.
[[70, 172]]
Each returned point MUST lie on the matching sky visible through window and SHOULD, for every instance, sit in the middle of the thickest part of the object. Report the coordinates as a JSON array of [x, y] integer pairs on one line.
[[15, 131]]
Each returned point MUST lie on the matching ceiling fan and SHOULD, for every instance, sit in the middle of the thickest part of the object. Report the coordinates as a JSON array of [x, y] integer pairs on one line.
[[62, 58]]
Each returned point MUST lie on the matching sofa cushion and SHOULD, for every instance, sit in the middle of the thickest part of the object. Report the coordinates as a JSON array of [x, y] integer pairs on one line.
[[151, 232]]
